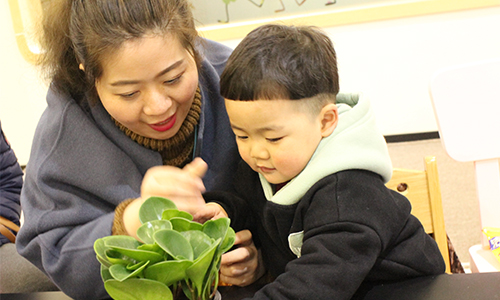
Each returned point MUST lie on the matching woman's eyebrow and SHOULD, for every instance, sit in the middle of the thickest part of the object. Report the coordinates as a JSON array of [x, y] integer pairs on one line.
[[170, 68], [163, 72]]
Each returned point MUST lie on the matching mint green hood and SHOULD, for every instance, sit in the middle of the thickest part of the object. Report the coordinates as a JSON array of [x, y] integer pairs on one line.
[[356, 143]]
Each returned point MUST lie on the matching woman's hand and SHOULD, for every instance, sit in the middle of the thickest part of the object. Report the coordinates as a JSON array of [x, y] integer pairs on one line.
[[244, 265], [183, 186]]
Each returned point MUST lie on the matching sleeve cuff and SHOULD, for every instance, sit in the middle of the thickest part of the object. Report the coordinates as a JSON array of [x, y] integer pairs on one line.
[[118, 226]]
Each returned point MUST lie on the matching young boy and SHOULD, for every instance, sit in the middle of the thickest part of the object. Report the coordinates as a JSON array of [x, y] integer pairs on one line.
[[312, 189]]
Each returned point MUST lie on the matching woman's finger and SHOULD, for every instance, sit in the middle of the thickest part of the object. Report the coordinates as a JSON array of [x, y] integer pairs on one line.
[[198, 167]]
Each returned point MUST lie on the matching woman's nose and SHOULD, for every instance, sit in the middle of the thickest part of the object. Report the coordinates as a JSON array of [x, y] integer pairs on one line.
[[157, 103]]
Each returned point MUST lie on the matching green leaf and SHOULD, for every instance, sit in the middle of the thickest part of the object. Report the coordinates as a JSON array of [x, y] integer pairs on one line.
[[121, 272], [174, 213], [228, 241], [128, 247], [174, 244], [132, 267], [181, 224], [198, 270], [153, 208], [220, 228], [115, 257], [105, 275], [199, 241], [146, 231], [168, 272], [187, 291], [100, 251], [104, 261], [140, 255], [138, 289], [151, 247], [212, 280], [121, 241], [216, 228]]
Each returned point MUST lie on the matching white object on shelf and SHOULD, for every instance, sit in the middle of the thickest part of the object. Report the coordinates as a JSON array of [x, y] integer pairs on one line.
[[466, 101], [483, 260]]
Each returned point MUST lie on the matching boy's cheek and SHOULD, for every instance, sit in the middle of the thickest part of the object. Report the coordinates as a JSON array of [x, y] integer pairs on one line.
[[243, 152]]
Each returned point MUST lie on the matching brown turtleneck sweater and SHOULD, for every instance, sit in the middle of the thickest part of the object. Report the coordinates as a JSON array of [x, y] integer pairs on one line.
[[175, 151]]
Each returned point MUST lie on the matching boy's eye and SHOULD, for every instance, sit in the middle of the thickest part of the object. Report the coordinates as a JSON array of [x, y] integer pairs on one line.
[[241, 137], [273, 140]]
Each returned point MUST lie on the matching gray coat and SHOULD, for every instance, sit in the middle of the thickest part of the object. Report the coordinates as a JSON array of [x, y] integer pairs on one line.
[[82, 166]]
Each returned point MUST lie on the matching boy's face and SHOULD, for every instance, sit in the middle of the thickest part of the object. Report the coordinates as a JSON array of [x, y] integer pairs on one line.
[[276, 138]]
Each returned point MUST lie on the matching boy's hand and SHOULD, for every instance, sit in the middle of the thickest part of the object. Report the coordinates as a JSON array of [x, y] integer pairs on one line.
[[183, 186], [244, 265], [211, 211]]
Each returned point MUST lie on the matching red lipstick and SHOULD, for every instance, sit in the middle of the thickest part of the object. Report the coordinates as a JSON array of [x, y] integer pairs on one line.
[[164, 125]]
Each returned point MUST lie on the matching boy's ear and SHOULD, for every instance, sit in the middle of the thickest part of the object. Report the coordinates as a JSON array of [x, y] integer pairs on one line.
[[329, 117]]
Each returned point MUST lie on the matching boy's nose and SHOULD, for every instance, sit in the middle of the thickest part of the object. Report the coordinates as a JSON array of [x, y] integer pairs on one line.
[[259, 152]]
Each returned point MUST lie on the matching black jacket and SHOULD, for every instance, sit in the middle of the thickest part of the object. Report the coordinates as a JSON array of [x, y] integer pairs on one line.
[[356, 232]]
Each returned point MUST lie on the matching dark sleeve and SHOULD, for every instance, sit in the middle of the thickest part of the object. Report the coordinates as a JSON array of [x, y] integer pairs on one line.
[[335, 260], [11, 181]]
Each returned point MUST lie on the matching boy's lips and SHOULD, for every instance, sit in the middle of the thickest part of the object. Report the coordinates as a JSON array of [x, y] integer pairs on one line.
[[164, 125], [266, 170]]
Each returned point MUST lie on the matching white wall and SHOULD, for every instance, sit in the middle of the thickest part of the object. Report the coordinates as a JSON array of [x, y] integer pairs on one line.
[[390, 61], [22, 94]]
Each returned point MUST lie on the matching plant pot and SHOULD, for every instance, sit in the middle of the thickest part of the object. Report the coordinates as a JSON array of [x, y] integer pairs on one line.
[[217, 296]]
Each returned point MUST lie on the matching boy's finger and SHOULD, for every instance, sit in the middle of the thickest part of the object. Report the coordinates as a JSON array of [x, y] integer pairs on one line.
[[235, 256], [243, 238]]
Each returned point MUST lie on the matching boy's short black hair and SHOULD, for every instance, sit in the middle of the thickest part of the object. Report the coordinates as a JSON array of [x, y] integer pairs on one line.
[[281, 62]]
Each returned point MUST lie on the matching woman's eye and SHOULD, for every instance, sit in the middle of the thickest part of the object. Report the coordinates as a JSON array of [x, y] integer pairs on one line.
[[174, 80], [128, 95]]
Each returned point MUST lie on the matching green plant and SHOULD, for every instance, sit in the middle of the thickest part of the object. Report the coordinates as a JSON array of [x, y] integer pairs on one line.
[[176, 254]]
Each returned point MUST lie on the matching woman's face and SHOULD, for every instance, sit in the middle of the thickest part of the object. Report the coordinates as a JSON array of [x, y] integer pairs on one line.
[[148, 85]]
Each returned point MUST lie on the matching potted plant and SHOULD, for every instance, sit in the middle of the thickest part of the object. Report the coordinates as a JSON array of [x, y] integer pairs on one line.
[[176, 256]]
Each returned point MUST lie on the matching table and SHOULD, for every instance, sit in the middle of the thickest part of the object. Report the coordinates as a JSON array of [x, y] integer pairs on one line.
[[442, 287]]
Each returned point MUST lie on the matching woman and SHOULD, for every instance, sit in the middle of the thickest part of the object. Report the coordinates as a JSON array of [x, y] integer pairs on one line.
[[134, 98]]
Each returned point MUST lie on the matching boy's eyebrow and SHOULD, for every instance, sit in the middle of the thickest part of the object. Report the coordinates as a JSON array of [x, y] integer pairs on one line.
[[263, 129], [163, 72]]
